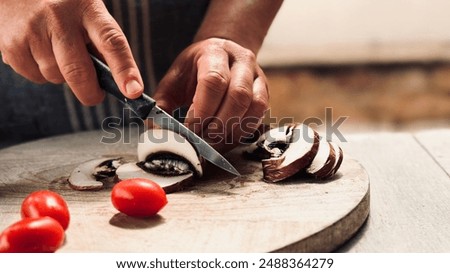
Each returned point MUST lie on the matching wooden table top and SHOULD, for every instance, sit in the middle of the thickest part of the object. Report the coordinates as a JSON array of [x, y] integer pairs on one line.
[[409, 189]]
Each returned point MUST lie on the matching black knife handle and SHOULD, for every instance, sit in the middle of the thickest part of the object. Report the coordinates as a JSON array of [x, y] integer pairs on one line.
[[140, 106]]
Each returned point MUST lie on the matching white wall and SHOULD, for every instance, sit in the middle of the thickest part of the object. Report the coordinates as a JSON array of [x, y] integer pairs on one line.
[[342, 31]]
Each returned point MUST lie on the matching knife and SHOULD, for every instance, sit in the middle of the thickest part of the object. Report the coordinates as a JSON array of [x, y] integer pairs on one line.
[[145, 107]]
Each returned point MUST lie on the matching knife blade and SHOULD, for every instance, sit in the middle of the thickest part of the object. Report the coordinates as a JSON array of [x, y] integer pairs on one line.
[[145, 107]]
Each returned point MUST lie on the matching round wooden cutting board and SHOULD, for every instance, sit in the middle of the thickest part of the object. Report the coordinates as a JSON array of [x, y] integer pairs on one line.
[[218, 213]]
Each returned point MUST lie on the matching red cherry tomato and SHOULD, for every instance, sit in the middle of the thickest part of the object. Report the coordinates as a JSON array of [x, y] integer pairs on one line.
[[31, 235], [138, 197], [46, 203]]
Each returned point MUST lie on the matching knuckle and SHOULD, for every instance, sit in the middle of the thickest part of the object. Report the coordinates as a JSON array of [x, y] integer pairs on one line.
[[53, 7], [52, 12], [75, 72], [214, 80], [124, 69], [213, 43], [242, 96], [248, 55], [112, 39], [24, 67], [260, 106], [15, 45], [243, 93], [240, 52]]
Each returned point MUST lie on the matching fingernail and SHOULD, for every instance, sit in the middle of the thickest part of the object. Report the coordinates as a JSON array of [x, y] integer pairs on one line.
[[133, 87]]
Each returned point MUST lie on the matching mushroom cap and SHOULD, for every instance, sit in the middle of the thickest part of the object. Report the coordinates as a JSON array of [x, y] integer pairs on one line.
[[160, 141]]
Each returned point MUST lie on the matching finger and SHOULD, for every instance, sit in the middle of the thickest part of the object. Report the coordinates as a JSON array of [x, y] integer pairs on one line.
[[213, 78], [110, 41], [235, 104], [23, 63], [43, 54], [76, 67], [252, 118]]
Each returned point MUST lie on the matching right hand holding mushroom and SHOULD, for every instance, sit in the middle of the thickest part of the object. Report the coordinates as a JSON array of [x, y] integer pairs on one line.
[[224, 86], [46, 41]]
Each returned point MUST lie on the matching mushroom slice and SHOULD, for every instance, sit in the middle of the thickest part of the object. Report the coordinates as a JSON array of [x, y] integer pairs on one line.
[[107, 169], [87, 174], [168, 183], [294, 148], [339, 158], [165, 157], [323, 163], [291, 153], [165, 152], [270, 144]]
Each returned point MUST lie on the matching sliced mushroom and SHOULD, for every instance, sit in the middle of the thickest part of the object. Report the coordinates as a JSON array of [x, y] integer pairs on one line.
[[165, 152], [107, 169], [339, 158], [270, 144], [166, 158], [163, 156], [291, 153], [168, 183], [290, 149], [323, 163], [87, 175]]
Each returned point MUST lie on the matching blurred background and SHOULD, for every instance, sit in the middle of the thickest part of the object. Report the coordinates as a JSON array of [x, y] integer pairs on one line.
[[385, 64]]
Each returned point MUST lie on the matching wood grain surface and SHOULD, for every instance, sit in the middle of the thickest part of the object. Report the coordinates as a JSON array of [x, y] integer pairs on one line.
[[218, 213], [409, 189], [437, 143]]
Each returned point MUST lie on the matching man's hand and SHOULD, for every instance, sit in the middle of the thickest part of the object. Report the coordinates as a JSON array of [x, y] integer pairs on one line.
[[46, 41], [218, 75], [224, 86]]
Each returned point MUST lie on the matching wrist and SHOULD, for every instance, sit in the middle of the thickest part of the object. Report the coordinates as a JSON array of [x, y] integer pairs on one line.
[[252, 43], [243, 22]]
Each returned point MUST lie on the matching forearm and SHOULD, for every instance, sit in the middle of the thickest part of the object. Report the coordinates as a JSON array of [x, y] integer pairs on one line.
[[245, 22]]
